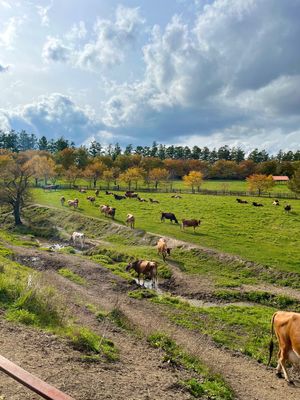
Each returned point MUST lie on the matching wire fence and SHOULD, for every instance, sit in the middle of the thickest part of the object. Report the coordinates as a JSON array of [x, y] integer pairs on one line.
[[120, 188]]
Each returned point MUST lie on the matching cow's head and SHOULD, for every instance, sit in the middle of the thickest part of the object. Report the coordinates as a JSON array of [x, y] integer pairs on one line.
[[129, 266]]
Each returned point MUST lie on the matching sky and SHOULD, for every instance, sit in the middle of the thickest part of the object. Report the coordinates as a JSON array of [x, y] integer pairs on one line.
[[182, 72]]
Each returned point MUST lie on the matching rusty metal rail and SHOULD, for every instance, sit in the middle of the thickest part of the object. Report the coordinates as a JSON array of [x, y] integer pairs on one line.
[[32, 382]]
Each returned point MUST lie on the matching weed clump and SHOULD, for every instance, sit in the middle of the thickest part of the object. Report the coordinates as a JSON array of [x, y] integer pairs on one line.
[[72, 276]]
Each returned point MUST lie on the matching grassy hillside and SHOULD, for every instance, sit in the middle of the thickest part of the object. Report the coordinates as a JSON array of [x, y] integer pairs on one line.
[[266, 234]]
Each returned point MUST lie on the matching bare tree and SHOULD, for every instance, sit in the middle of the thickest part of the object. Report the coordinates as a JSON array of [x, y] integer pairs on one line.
[[15, 174]]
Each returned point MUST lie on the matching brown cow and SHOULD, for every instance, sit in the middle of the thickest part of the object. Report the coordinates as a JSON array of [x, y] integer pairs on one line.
[[146, 268], [287, 329], [130, 220], [73, 203], [190, 222], [162, 248]]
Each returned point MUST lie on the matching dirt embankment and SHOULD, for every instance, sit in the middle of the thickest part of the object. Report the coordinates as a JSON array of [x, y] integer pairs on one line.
[[249, 380]]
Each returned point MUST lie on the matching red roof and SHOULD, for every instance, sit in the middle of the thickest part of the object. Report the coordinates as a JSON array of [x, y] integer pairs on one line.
[[280, 178]]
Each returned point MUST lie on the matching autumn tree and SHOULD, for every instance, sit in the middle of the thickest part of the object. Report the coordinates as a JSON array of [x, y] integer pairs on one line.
[[157, 175], [260, 182], [132, 175], [43, 168], [71, 175], [194, 178], [108, 177], [15, 174], [93, 172]]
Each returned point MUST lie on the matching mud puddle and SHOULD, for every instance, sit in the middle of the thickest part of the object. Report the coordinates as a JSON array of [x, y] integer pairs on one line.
[[193, 302]]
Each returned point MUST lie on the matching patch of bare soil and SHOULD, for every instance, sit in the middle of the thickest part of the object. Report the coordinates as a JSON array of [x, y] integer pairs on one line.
[[141, 372]]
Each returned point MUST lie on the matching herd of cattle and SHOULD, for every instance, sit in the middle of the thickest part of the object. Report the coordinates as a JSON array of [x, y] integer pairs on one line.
[[286, 325], [287, 207], [109, 211]]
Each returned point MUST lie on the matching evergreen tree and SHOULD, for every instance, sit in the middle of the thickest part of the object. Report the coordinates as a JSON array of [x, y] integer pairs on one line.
[[196, 153], [43, 143], [224, 153], [161, 152], [116, 151], [128, 150], [154, 149], [26, 141], [95, 149]]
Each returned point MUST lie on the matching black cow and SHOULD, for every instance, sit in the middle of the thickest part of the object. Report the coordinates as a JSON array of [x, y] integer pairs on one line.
[[288, 208], [257, 204], [170, 216], [242, 201], [118, 197]]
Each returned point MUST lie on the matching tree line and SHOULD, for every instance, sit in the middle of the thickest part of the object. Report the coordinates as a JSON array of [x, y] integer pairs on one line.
[[22, 141]]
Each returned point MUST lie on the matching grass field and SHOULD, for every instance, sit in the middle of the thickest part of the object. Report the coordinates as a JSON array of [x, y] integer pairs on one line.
[[267, 235], [222, 185]]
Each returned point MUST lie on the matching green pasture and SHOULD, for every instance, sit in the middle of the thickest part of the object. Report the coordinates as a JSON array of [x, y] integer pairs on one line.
[[266, 235], [178, 184]]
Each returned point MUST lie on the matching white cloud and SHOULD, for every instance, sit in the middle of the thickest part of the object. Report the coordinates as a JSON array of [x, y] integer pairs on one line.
[[78, 31], [55, 50], [4, 68], [53, 116], [111, 39], [9, 32], [43, 13]]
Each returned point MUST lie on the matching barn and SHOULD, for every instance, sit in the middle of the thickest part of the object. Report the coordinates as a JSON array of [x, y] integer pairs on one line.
[[280, 179]]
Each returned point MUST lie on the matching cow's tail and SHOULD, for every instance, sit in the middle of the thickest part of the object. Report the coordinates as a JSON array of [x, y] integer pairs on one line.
[[271, 345]]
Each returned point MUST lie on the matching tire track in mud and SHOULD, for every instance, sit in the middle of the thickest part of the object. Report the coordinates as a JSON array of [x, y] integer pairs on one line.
[[249, 380]]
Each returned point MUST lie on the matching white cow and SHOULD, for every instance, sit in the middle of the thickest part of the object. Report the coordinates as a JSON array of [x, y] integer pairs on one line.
[[78, 236]]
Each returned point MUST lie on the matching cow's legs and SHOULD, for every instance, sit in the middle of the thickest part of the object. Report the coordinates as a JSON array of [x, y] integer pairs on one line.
[[282, 365]]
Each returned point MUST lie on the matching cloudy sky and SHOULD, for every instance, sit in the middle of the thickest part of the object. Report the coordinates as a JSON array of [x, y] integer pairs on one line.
[[190, 72]]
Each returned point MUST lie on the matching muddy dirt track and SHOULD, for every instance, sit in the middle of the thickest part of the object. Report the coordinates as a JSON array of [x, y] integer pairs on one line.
[[139, 374]]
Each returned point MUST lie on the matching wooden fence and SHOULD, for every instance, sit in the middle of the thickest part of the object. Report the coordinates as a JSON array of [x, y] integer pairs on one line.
[[35, 384], [235, 193]]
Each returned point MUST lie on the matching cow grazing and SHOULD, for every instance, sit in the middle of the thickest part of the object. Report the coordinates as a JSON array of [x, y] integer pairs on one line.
[[104, 208], [109, 211], [78, 237], [130, 221], [118, 197], [163, 249], [153, 201], [97, 192], [186, 223], [286, 326], [257, 204], [142, 200], [131, 195], [91, 199], [82, 191], [170, 216], [275, 203], [176, 196], [73, 203], [287, 208], [62, 200], [108, 193], [146, 268], [242, 201]]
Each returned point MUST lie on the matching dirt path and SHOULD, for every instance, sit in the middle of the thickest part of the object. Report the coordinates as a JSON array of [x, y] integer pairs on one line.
[[249, 380]]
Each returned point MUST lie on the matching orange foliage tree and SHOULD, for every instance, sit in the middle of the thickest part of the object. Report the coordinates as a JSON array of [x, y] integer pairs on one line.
[[157, 175], [194, 178], [260, 182]]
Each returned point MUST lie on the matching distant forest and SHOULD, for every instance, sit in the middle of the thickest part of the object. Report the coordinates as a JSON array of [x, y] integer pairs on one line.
[[22, 141], [110, 162]]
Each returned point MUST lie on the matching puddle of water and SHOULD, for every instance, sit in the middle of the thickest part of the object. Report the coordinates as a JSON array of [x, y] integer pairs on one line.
[[193, 302]]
